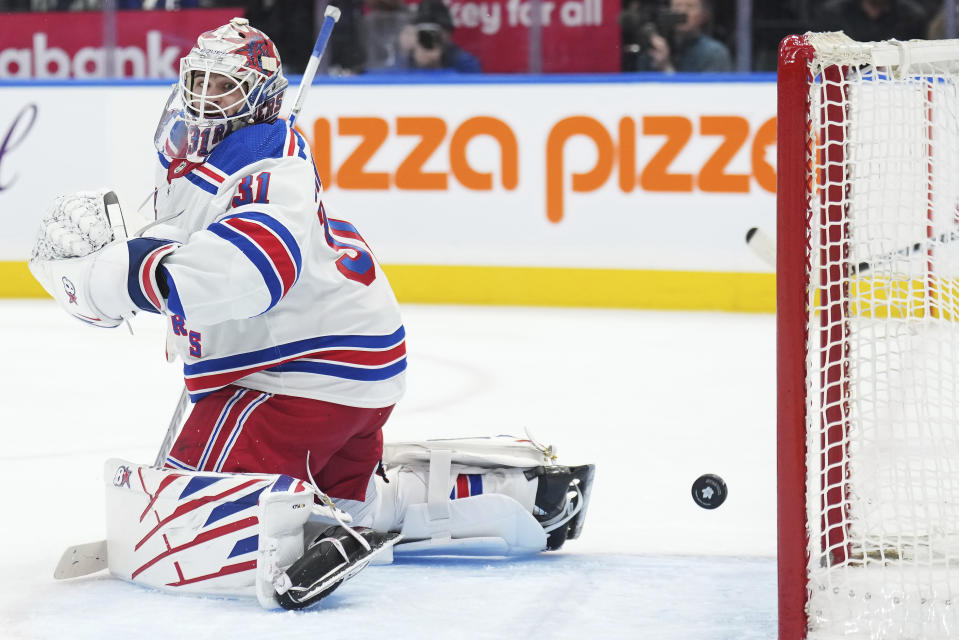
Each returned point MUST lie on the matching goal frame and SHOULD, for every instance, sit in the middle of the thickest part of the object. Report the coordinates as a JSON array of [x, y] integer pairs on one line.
[[791, 262], [794, 280], [801, 213]]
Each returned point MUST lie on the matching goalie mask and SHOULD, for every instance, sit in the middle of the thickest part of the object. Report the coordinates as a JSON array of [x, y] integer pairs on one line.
[[231, 78]]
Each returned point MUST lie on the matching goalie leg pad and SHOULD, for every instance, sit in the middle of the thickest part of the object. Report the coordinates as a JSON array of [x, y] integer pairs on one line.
[[203, 533], [483, 452], [441, 507], [508, 496], [488, 524]]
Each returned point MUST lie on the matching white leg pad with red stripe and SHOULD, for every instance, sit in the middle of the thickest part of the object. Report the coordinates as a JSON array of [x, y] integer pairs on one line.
[[204, 533]]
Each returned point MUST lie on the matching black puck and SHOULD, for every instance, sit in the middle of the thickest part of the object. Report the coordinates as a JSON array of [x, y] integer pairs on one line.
[[709, 491]]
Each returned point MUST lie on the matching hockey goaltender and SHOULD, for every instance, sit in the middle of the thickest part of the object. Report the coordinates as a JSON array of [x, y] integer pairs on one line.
[[278, 483]]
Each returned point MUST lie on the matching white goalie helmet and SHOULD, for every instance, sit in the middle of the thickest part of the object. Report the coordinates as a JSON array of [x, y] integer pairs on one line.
[[231, 78]]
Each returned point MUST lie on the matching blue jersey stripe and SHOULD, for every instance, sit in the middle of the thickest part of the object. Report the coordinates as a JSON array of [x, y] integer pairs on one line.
[[291, 349], [138, 250], [245, 146], [200, 182], [341, 225], [228, 447], [300, 144], [279, 229], [341, 371], [211, 440], [255, 255], [173, 299], [173, 462]]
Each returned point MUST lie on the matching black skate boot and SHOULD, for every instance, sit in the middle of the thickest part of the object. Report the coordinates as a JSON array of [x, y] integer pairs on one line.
[[562, 497], [334, 557]]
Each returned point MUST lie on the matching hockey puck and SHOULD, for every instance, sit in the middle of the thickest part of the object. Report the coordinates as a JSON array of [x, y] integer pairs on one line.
[[709, 491]]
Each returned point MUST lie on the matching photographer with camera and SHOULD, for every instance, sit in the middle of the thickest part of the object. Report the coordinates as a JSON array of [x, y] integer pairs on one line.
[[669, 36], [428, 43]]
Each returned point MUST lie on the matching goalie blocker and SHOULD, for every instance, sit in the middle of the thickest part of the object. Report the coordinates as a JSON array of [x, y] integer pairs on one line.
[[265, 535]]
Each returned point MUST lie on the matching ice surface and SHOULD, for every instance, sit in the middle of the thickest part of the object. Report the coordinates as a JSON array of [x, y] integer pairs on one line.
[[655, 399]]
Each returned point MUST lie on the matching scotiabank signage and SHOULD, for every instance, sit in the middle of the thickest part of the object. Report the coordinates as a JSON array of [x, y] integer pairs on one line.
[[576, 35], [149, 44]]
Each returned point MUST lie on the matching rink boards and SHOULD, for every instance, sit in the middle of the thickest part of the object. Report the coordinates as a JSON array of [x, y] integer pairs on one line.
[[573, 191]]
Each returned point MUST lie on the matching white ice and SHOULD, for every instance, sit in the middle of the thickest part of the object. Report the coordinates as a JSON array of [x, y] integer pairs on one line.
[[655, 399]]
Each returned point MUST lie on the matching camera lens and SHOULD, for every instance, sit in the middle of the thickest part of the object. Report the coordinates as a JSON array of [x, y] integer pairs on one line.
[[427, 38]]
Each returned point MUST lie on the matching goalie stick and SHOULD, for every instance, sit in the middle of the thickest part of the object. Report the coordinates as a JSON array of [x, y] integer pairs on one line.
[[84, 559], [765, 249], [762, 245], [175, 421], [330, 18]]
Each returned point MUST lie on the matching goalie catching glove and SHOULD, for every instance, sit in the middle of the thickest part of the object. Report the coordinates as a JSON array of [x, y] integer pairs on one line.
[[82, 258]]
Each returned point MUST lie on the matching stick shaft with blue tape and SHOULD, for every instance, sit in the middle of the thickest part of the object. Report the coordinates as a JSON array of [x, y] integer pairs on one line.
[[330, 18]]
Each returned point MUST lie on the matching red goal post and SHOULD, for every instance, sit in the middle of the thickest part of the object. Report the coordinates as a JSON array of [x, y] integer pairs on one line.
[[868, 338]]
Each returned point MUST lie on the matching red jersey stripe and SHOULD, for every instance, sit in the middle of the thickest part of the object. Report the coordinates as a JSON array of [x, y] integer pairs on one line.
[[209, 174], [216, 380], [274, 248]]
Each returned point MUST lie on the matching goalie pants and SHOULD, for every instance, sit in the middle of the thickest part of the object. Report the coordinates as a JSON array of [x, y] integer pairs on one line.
[[240, 430]]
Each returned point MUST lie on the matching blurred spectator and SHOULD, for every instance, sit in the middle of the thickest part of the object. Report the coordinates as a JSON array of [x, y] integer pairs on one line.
[[771, 22], [383, 23], [936, 29], [428, 45], [873, 20], [347, 53], [631, 21], [290, 23], [672, 37]]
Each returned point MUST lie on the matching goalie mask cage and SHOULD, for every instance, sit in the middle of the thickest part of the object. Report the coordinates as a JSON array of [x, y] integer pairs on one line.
[[868, 338]]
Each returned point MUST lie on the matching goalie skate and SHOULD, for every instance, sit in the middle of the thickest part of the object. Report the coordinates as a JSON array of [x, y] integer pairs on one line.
[[333, 558], [562, 498]]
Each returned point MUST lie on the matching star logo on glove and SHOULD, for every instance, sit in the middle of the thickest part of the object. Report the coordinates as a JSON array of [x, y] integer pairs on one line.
[[70, 290], [122, 476]]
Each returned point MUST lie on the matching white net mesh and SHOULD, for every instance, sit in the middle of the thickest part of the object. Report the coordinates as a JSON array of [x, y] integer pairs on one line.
[[883, 340]]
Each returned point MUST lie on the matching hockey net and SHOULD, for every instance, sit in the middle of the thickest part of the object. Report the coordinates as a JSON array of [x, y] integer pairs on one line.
[[868, 338]]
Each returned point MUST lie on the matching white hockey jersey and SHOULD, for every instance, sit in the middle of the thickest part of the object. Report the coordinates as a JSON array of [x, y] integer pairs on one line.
[[262, 288]]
